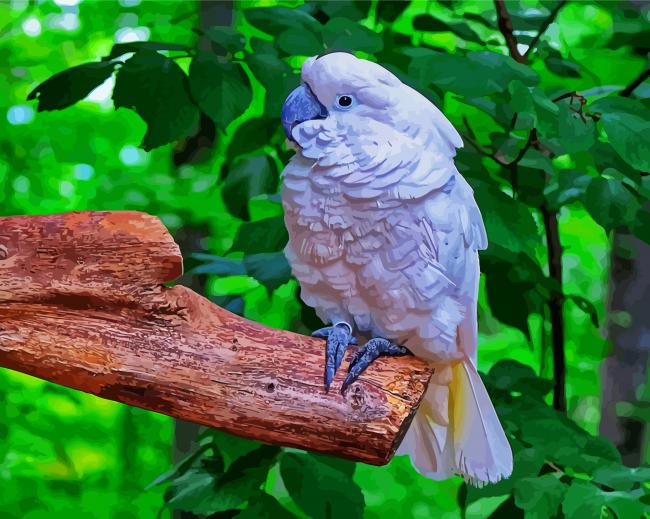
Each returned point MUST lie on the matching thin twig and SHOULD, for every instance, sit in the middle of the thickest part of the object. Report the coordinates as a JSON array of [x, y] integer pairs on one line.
[[506, 28], [470, 137], [552, 230], [542, 29], [627, 91]]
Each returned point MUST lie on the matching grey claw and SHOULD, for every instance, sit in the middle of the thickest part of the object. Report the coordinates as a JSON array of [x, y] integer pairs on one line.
[[338, 339], [367, 354]]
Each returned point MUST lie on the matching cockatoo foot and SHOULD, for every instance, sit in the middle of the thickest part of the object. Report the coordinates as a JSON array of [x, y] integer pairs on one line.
[[339, 337], [367, 354]]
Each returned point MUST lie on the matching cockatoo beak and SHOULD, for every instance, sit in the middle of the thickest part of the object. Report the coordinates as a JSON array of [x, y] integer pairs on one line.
[[301, 105]]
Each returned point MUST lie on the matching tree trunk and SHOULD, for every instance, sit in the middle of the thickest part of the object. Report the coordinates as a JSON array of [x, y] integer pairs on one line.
[[625, 369]]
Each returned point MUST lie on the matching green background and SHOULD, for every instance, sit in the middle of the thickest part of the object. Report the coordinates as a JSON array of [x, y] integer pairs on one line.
[[67, 454]]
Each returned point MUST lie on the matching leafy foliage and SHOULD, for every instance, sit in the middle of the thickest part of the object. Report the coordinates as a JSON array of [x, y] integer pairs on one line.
[[552, 134]]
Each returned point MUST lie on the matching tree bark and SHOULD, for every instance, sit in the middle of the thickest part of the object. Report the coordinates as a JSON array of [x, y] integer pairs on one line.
[[82, 304], [625, 369]]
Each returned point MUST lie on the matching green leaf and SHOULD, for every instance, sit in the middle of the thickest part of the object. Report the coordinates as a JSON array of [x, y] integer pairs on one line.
[[426, 22], [560, 66], [521, 98], [458, 73], [342, 33], [574, 133], [587, 307], [145, 83], [546, 113], [69, 86], [585, 501], [230, 446], [620, 477], [276, 76], [513, 376], [226, 37], [193, 491], [540, 497], [180, 468], [322, 488], [267, 235], [217, 266], [220, 87], [264, 506], [521, 275], [136, 46], [610, 203], [571, 186], [299, 42], [582, 501], [557, 437], [200, 492], [274, 20], [251, 176], [270, 269], [250, 136], [509, 223], [390, 11], [627, 124]]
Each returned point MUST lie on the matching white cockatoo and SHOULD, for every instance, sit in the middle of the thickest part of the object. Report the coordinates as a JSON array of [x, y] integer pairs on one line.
[[384, 236]]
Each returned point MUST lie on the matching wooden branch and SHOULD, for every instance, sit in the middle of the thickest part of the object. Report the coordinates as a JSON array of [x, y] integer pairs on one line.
[[82, 305]]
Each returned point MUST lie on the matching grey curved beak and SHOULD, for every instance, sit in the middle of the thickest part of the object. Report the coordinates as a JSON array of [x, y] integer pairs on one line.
[[301, 105]]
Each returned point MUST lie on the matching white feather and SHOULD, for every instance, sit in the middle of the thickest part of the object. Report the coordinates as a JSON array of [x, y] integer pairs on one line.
[[384, 233]]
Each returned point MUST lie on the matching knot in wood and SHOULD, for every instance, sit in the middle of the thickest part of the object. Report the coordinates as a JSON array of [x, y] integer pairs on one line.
[[357, 397]]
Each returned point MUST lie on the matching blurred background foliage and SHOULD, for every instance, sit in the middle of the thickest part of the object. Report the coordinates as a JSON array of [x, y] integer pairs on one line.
[[553, 103]]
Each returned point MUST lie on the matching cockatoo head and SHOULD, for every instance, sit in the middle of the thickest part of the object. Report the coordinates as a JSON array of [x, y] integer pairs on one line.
[[355, 95]]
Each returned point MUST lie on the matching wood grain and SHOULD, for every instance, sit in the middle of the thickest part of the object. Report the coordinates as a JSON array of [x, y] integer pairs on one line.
[[82, 304]]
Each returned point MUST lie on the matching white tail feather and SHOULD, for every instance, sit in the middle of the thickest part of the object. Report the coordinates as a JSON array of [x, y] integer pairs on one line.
[[473, 445]]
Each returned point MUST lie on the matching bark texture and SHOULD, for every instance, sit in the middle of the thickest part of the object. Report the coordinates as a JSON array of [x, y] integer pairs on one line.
[[82, 304], [625, 370]]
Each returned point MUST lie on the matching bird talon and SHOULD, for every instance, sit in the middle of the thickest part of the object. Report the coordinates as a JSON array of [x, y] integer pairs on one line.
[[367, 354], [338, 338]]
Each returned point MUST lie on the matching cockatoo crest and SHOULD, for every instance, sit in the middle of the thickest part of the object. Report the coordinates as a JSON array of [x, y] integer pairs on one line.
[[376, 95]]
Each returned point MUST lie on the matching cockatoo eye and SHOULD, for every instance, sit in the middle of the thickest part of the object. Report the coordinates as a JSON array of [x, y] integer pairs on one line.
[[344, 102]]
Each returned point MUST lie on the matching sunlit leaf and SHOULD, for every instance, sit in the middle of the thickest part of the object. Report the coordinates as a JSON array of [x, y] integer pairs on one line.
[[71, 85], [136, 46], [587, 307]]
